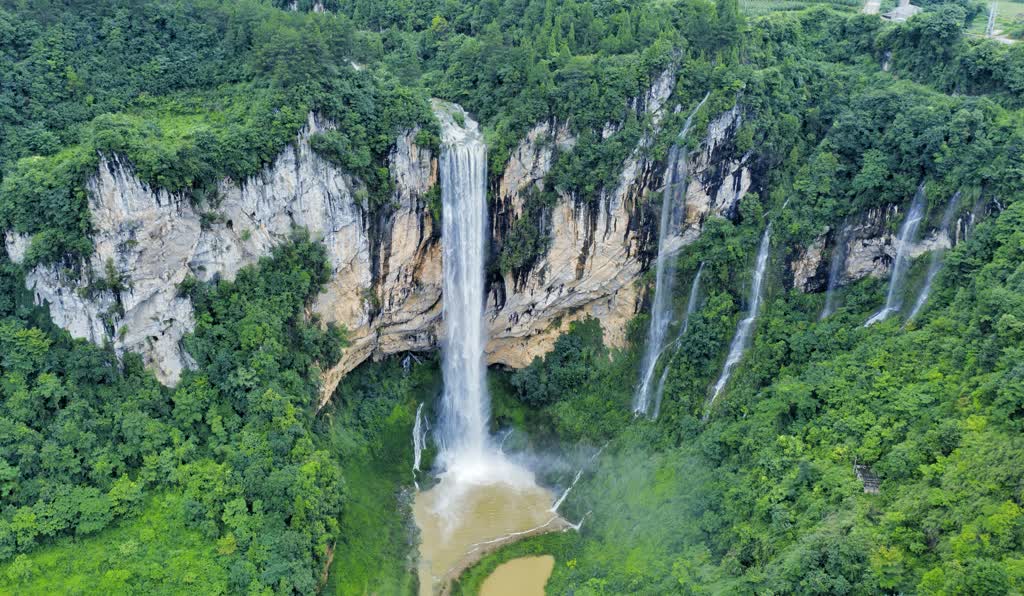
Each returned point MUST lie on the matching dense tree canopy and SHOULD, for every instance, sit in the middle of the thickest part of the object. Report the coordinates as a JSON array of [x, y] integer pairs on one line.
[[841, 113]]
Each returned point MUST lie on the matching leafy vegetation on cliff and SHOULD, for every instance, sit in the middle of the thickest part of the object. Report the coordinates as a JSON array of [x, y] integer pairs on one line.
[[231, 483], [85, 437]]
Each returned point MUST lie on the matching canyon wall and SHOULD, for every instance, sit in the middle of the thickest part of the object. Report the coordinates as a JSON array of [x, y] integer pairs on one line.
[[385, 287]]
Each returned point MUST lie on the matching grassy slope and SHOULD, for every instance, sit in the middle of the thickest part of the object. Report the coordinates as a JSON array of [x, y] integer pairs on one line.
[[154, 553], [370, 429]]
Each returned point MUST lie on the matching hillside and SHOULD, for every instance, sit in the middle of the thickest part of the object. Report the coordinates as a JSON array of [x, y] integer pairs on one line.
[[752, 273]]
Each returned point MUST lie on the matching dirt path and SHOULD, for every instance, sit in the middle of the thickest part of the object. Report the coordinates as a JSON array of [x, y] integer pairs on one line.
[[872, 6]]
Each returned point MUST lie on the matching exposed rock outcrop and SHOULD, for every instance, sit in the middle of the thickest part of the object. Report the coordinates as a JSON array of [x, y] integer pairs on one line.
[[870, 252], [596, 248], [153, 240]]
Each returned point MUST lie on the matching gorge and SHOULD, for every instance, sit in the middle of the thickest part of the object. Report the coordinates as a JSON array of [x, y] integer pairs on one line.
[[632, 297]]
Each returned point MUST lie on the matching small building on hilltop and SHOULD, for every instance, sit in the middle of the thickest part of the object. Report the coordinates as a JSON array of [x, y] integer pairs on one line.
[[902, 12]]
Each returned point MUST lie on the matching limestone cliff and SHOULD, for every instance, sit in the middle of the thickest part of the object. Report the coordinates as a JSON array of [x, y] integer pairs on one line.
[[385, 287], [871, 250], [149, 240], [598, 248]]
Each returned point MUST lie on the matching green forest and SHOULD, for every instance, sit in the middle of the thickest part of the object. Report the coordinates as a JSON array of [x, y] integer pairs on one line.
[[236, 481]]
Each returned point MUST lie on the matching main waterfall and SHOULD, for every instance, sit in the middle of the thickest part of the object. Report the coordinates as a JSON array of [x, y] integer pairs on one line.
[[483, 499], [465, 406], [672, 203]]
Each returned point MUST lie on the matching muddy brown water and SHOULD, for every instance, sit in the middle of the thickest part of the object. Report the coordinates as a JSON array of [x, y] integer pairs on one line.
[[458, 524], [525, 576]]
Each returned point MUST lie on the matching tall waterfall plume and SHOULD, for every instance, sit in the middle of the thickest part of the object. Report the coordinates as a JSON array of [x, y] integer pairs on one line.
[[691, 306], [672, 209], [908, 231], [741, 340], [466, 456], [463, 176], [935, 260], [835, 271]]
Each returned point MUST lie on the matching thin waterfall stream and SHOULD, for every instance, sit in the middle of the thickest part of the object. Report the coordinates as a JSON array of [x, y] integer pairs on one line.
[[835, 271], [672, 211], [741, 340], [691, 306], [908, 231], [935, 260], [419, 442]]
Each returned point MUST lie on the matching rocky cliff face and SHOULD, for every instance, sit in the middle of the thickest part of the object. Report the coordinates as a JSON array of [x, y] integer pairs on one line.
[[871, 251], [597, 248], [148, 241], [386, 264]]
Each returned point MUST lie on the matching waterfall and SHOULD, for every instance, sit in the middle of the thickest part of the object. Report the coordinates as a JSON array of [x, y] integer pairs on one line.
[[691, 306], [419, 441], [835, 270], [935, 259], [894, 300], [741, 340], [672, 203], [463, 176], [561, 499]]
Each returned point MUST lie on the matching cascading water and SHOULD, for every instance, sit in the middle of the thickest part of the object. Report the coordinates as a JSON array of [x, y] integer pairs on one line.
[[935, 262], [835, 271], [741, 339], [894, 298], [672, 204], [483, 498], [464, 407], [419, 441], [691, 306]]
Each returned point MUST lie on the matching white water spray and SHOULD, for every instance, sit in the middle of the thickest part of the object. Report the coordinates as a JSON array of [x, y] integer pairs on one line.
[[935, 260], [741, 339], [672, 208], [561, 499], [894, 299], [835, 271], [419, 441]]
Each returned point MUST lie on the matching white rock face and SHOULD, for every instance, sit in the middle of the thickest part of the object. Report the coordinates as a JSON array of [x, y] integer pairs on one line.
[[871, 251], [395, 306], [717, 183], [531, 161], [595, 252], [153, 240]]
